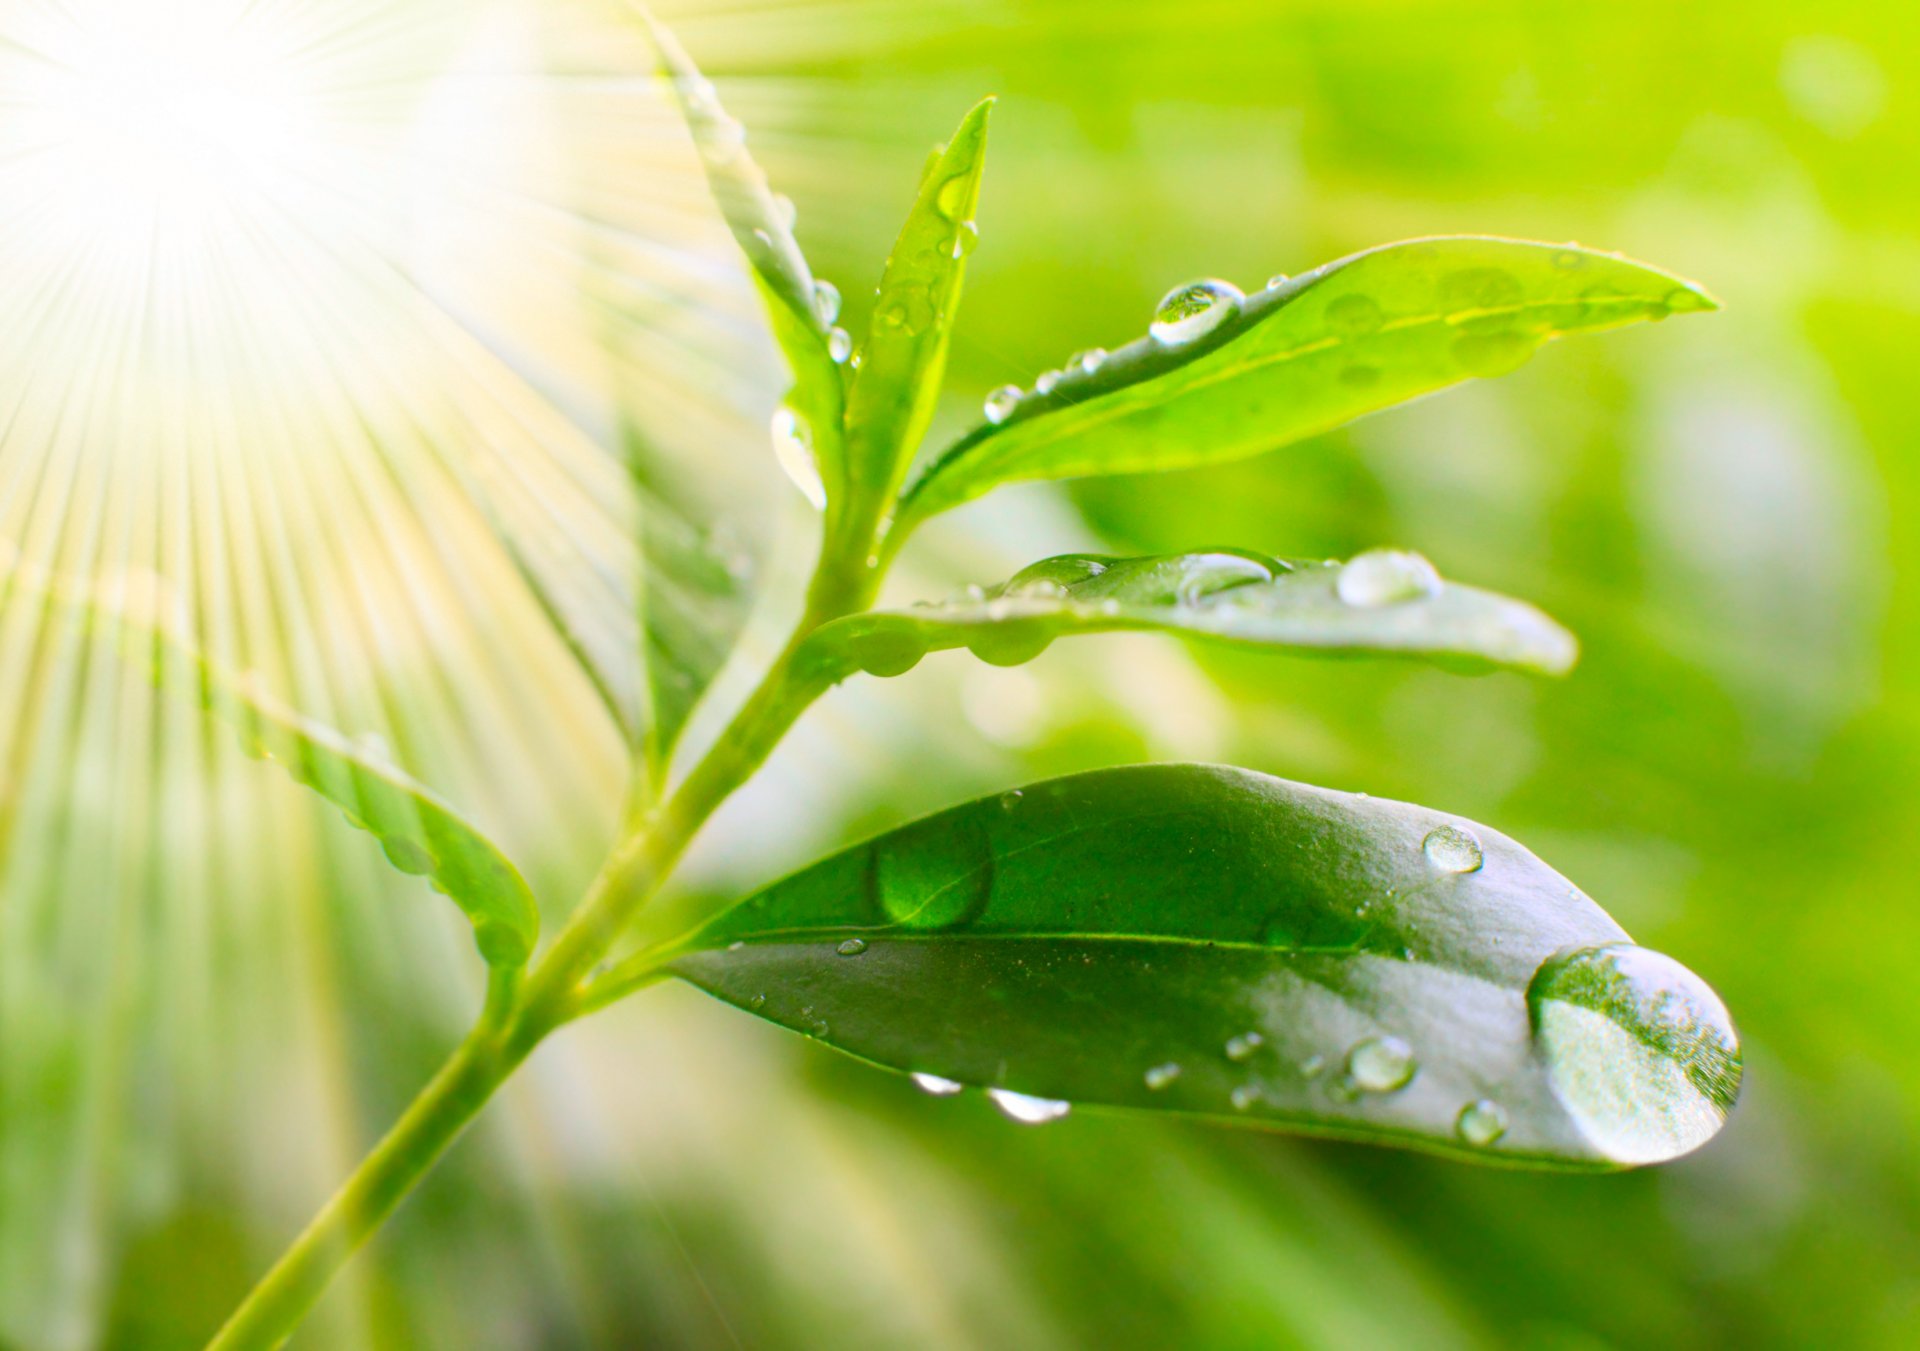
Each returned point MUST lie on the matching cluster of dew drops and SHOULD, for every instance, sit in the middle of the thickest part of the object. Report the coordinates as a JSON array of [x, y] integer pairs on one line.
[[1380, 1064]]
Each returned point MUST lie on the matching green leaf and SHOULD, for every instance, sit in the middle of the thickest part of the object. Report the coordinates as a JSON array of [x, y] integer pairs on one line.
[[418, 832], [1348, 338], [800, 310], [1383, 602], [1214, 942], [905, 353]]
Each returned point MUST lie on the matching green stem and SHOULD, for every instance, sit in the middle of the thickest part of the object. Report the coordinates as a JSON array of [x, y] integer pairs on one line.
[[520, 1014]]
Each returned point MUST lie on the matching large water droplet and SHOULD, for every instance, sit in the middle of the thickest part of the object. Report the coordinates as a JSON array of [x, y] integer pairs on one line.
[[1088, 361], [1380, 1064], [1052, 575], [1192, 311], [1638, 1049], [1160, 1076], [1481, 1123], [886, 651], [1276, 281], [793, 448], [1028, 1111], [1453, 850], [934, 1084], [1386, 577], [1001, 403], [826, 300], [851, 947], [839, 345], [1011, 644], [1046, 383], [933, 874], [963, 241]]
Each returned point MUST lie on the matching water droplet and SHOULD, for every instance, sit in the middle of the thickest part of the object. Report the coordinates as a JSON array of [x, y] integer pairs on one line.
[[1479, 288], [933, 874], [737, 945], [885, 651], [1380, 1064], [1481, 1123], [1276, 281], [721, 140], [1638, 1049], [934, 1084], [1050, 575], [1567, 260], [963, 241], [1088, 361], [852, 947], [1453, 850], [839, 345], [1160, 1076], [1001, 403], [1028, 1111], [762, 242], [1684, 300], [1244, 1096], [698, 93], [1011, 644], [1386, 577], [757, 1001], [793, 448], [1312, 1065], [826, 300], [1489, 354], [1354, 316], [951, 198], [1244, 1045], [1189, 312], [406, 855], [1046, 383], [784, 211], [1010, 799]]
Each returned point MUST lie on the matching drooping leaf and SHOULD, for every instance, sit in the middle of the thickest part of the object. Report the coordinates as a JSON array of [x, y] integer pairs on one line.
[[800, 309], [1353, 336], [1215, 942], [1384, 602], [904, 356], [418, 832]]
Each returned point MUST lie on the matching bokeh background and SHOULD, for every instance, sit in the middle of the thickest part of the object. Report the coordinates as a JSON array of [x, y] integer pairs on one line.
[[212, 997]]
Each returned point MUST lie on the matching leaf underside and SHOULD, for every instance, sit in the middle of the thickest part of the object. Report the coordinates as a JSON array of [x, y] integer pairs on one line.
[[1214, 942], [1228, 595], [1351, 337]]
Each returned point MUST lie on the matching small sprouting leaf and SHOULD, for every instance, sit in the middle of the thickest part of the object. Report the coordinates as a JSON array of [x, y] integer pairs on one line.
[[1384, 601], [905, 353], [417, 831], [1221, 377], [800, 309], [1215, 942]]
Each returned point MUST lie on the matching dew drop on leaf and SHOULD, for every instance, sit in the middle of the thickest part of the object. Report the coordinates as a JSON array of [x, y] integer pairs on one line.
[[1244, 1045], [1638, 1049], [1159, 1076], [839, 345], [934, 1084], [784, 210], [1190, 312], [826, 300], [1453, 850], [1046, 383], [793, 448], [1354, 316], [951, 198], [1481, 1123], [1088, 361], [1028, 1111], [1276, 281], [852, 947], [1243, 1096], [1386, 577], [1001, 403], [1380, 1064], [965, 238]]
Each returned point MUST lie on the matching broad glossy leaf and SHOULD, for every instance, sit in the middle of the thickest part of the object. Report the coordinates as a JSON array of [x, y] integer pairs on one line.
[[800, 309], [417, 831], [1383, 602], [1348, 338], [905, 353], [1215, 942]]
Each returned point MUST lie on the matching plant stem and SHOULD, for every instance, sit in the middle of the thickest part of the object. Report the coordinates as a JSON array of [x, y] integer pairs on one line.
[[520, 1014]]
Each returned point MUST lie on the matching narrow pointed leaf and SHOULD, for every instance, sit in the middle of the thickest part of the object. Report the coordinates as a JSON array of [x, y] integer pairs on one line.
[[1354, 336], [1213, 942], [1227, 595], [802, 325], [418, 832], [905, 353]]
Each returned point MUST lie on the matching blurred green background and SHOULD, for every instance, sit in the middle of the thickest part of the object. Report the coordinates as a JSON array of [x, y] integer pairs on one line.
[[1719, 507]]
